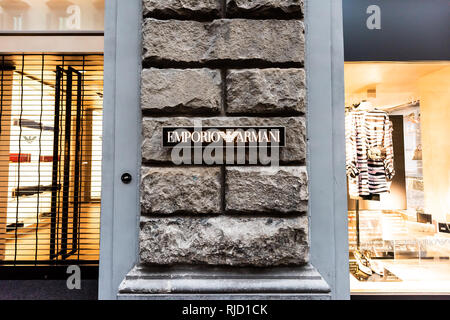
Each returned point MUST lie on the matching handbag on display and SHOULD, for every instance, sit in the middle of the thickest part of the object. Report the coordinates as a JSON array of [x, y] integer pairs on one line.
[[418, 153], [376, 153]]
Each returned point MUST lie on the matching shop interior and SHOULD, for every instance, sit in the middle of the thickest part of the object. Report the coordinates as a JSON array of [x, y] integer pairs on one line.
[[50, 158], [398, 173]]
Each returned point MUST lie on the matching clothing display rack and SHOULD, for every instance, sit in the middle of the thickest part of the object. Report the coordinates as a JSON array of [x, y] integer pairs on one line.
[[357, 224]]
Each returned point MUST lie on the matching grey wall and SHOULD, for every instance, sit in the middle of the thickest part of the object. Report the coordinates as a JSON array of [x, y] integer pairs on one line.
[[223, 63], [326, 144], [121, 138], [413, 29]]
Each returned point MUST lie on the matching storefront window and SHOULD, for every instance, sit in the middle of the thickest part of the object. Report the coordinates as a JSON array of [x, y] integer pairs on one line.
[[398, 173], [51, 111], [51, 15]]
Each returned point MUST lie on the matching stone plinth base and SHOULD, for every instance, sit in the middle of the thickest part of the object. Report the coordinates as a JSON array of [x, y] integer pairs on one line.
[[222, 283]]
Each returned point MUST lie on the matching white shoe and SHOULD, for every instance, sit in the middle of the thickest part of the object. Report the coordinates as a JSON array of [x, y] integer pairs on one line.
[[363, 264], [376, 267]]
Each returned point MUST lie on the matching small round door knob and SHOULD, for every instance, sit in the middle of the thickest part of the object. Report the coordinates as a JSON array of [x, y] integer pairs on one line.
[[126, 178]]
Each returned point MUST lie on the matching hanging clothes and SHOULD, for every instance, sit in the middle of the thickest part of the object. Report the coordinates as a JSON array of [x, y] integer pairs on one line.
[[369, 152]]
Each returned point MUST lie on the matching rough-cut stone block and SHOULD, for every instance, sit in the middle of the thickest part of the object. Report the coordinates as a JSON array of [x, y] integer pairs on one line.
[[181, 8], [153, 151], [266, 189], [275, 41], [189, 91], [180, 190], [260, 91], [151, 146], [265, 7], [224, 240]]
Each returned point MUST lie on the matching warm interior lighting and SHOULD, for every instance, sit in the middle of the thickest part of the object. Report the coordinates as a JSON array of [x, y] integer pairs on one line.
[[50, 162], [404, 237]]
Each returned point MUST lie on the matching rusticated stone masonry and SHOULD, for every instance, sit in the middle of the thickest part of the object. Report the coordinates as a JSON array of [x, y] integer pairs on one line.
[[235, 63]]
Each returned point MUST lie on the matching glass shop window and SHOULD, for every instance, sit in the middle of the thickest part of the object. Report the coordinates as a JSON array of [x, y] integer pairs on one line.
[[51, 110], [398, 174], [51, 15]]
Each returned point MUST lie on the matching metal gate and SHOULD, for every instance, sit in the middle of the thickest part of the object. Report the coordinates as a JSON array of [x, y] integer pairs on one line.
[[66, 135], [50, 159]]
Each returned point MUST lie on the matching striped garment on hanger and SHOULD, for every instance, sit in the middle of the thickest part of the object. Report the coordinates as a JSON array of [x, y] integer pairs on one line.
[[369, 152]]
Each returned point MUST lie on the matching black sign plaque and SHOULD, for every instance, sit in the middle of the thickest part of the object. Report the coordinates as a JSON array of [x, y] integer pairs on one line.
[[223, 136]]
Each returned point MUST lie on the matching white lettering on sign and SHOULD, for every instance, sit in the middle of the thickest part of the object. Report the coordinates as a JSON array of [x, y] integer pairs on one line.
[[230, 145], [228, 136], [374, 20]]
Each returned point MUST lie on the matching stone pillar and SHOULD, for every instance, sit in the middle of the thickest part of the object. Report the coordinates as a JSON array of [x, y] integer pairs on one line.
[[223, 230]]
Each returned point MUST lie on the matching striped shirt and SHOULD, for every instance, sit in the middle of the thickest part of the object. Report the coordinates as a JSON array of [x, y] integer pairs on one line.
[[369, 132]]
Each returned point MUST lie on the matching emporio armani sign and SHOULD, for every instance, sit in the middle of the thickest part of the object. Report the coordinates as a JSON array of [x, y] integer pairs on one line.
[[224, 136]]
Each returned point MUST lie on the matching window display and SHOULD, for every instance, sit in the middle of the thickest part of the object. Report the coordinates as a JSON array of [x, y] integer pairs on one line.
[[398, 173]]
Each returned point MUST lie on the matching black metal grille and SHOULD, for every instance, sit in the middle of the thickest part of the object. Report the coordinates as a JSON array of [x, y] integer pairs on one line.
[[50, 158]]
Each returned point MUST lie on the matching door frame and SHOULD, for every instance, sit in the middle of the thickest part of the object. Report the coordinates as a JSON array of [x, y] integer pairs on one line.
[[120, 209], [326, 144]]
